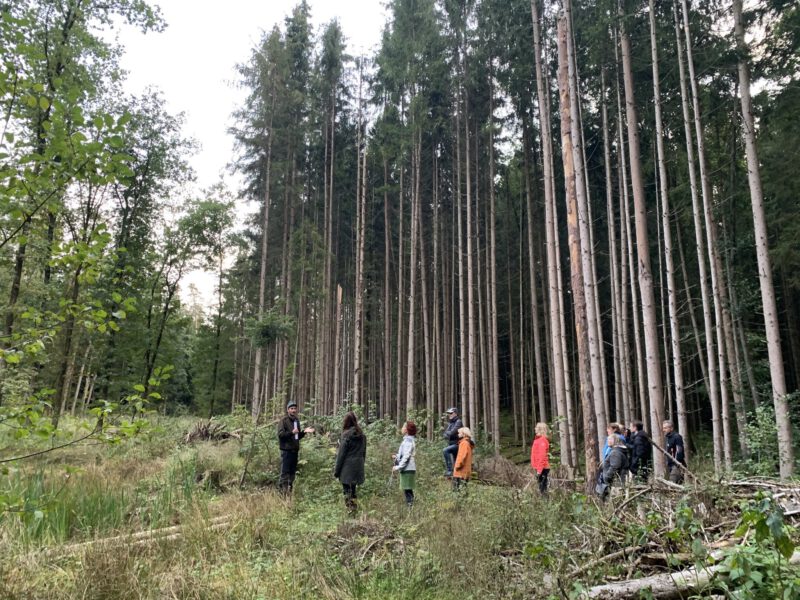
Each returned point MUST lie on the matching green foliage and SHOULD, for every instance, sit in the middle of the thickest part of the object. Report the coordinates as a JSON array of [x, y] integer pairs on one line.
[[762, 441], [760, 569], [274, 326]]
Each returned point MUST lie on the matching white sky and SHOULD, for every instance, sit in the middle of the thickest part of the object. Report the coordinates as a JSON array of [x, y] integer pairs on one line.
[[193, 63]]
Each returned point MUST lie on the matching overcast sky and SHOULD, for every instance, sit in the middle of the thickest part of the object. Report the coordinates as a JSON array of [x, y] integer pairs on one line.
[[193, 63]]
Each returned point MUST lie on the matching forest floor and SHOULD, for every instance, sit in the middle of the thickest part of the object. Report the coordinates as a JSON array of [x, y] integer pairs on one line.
[[158, 517]]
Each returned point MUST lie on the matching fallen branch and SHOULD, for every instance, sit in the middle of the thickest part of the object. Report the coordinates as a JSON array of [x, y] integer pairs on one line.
[[597, 561], [137, 538], [666, 586]]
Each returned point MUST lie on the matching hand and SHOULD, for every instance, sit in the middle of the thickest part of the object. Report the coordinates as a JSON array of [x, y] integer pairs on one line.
[[308, 430], [295, 430], [394, 456], [395, 468]]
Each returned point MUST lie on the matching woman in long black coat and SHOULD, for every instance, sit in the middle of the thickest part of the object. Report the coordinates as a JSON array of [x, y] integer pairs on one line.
[[350, 459]]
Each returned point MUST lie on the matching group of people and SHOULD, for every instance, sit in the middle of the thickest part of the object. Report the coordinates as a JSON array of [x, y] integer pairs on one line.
[[625, 451], [352, 454]]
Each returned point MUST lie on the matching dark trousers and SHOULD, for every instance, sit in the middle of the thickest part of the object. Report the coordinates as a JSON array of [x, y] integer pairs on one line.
[[288, 470], [349, 490], [459, 484], [450, 454], [543, 480], [409, 494]]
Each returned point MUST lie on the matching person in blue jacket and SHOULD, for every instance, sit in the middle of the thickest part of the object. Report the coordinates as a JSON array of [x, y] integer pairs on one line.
[[450, 435]]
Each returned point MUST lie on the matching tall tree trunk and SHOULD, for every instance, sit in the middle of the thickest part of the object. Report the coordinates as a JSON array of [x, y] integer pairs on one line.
[[594, 337], [558, 383], [655, 386], [257, 400], [782, 417], [712, 358], [674, 326], [573, 230]]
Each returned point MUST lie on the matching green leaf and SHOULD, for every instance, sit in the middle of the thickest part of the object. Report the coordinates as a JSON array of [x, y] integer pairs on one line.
[[785, 546], [139, 387], [44, 103]]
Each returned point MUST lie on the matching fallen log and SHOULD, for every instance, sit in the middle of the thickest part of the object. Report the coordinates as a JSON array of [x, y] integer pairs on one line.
[[666, 586], [136, 538]]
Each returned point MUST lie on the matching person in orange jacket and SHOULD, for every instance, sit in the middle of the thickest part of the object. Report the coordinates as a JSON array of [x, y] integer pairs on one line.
[[540, 460], [463, 464]]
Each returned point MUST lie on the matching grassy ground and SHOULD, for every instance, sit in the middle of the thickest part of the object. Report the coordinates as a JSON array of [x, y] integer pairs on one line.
[[492, 542]]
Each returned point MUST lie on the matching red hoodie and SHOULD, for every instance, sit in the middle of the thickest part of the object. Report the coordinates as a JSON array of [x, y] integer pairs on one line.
[[539, 450]]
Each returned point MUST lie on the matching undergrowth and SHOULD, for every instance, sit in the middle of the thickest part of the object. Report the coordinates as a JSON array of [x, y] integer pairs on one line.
[[492, 541]]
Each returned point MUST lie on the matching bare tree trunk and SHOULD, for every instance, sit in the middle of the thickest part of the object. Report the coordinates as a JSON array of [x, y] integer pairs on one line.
[[257, 401], [782, 417], [655, 386], [494, 344], [558, 382], [361, 207], [594, 338], [578, 296], [713, 378], [674, 326], [412, 277]]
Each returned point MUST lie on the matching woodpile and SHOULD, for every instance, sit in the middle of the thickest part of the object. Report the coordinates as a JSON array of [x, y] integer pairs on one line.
[[209, 431]]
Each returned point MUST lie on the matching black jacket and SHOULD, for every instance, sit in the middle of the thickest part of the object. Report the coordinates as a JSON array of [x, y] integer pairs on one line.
[[641, 451], [350, 457], [451, 433], [675, 449], [286, 439]]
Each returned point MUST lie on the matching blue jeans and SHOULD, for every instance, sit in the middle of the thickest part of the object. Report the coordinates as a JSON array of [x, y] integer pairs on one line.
[[450, 453]]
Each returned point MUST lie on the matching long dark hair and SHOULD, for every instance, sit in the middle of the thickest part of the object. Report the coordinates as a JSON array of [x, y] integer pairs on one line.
[[351, 421]]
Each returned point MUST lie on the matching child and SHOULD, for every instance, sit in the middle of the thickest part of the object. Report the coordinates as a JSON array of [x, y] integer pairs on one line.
[[463, 464], [540, 461], [404, 462]]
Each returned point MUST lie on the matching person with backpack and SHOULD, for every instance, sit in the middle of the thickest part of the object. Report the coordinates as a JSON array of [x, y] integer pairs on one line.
[[350, 457], [616, 464]]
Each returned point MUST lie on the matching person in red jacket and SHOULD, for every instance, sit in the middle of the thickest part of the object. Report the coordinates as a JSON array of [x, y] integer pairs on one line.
[[540, 461], [463, 464]]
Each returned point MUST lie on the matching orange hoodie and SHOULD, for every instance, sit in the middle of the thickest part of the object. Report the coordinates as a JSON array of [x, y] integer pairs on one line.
[[539, 450], [463, 464]]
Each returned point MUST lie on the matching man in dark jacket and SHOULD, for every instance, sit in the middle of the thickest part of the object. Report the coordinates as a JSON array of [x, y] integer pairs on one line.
[[451, 437], [677, 456], [641, 452], [289, 436]]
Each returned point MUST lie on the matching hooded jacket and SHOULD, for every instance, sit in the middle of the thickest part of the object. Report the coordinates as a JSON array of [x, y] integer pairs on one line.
[[463, 465]]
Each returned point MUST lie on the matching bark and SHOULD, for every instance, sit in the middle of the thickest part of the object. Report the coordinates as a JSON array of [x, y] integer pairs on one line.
[[775, 353], [573, 230], [558, 383], [711, 358], [594, 338], [655, 386], [674, 326]]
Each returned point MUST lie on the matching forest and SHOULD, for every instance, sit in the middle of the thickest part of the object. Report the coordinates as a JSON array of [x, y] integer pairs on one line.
[[571, 212]]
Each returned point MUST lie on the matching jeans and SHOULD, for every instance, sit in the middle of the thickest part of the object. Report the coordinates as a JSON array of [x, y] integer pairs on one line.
[[450, 453], [288, 470]]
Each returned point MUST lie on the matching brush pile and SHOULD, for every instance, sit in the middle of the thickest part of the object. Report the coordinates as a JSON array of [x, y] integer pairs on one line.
[[209, 431]]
